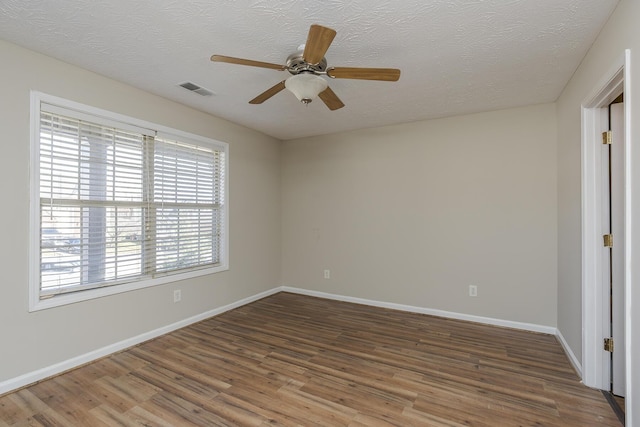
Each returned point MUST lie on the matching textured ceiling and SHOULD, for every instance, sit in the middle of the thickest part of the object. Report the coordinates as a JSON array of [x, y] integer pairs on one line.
[[456, 56]]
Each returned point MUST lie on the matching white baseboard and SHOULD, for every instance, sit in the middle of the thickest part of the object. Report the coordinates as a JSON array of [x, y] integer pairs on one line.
[[58, 368], [441, 313], [572, 357]]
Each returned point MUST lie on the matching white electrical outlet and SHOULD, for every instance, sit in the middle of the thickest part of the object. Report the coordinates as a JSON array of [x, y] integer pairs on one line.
[[177, 295], [473, 291], [327, 274]]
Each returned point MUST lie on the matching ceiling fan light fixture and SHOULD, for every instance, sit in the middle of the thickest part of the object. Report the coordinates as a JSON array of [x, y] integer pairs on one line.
[[306, 87]]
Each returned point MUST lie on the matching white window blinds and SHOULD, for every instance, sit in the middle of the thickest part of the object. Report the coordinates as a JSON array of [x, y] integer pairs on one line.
[[186, 208], [118, 204]]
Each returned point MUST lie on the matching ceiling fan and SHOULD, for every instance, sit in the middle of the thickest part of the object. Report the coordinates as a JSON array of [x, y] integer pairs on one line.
[[307, 66]]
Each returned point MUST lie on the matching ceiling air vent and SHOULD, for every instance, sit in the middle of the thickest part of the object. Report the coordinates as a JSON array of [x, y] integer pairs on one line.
[[197, 89]]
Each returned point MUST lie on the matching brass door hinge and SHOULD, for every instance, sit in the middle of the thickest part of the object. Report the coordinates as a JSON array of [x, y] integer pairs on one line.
[[608, 345], [608, 240], [606, 137]]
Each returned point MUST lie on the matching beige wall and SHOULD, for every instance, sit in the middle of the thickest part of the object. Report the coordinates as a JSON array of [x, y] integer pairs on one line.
[[414, 214], [32, 341], [621, 32]]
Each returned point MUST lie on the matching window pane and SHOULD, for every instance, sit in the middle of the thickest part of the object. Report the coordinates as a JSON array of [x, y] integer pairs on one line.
[[91, 189], [186, 174], [186, 238], [188, 200], [90, 245]]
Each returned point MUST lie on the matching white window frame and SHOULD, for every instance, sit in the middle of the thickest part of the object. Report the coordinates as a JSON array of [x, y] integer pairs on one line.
[[35, 301]]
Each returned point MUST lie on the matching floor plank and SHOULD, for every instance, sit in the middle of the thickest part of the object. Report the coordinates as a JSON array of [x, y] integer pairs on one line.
[[291, 360]]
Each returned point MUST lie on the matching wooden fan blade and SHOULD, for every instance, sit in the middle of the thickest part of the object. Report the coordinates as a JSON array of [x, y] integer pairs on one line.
[[331, 99], [267, 93], [385, 74], [240, 61], [318, 41]]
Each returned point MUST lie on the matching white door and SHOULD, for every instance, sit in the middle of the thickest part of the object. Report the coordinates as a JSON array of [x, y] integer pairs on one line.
[[617, 252]]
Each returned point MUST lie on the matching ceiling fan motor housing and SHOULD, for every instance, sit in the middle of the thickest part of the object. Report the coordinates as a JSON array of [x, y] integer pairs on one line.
[[296, 65]]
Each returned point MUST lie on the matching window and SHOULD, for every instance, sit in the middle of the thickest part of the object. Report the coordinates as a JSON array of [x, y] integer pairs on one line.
[[119, 204]]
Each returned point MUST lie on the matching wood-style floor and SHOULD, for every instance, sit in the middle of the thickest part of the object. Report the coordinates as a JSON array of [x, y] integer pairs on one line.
[[290, 360]]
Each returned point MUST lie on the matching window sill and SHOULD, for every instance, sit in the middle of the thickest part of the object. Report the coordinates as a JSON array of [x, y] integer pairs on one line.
[[36, 304]]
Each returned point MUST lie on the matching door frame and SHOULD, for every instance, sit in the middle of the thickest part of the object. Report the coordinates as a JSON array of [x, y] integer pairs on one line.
[[596, 368]]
